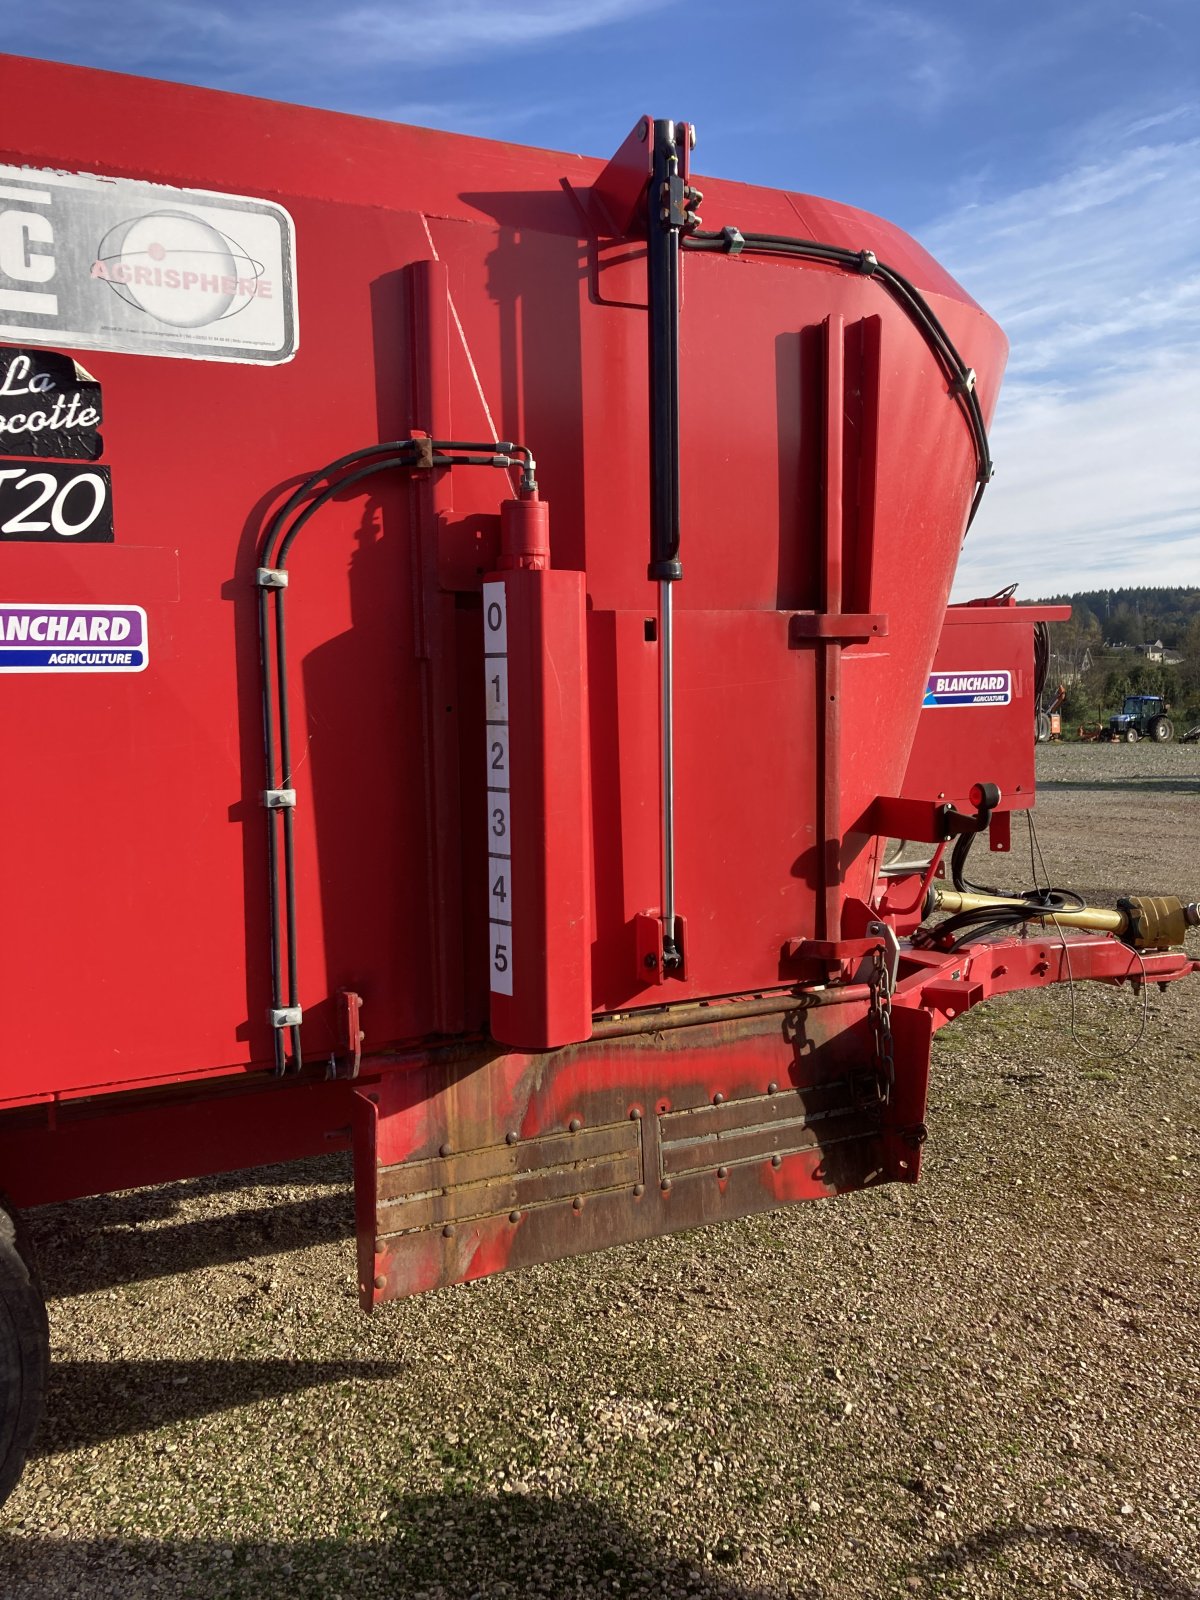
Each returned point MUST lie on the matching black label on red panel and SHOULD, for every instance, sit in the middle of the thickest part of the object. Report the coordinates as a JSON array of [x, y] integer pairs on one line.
[[52, 502], [49, 406]]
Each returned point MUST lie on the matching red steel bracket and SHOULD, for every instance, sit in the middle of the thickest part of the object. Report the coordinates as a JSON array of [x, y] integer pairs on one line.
[[620, 188], [851, 627], [350, 1035]]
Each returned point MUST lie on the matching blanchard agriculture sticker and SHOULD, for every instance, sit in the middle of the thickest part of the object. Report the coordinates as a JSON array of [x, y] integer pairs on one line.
[[46, 638], [968, 689], [111, 264]]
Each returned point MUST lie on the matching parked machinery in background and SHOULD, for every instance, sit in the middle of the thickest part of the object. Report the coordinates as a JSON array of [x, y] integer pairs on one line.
[[1143, 716]]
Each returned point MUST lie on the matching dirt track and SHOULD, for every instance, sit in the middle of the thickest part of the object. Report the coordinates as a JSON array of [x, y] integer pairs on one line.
[[987, 1385]]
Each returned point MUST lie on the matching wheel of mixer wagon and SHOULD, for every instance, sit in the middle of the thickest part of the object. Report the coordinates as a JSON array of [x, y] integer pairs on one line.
[[1041, 727], [1131, 736], [24, 1349], [1161, 730]]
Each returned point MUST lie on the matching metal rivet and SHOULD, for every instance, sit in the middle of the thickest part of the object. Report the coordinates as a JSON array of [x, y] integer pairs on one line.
[[574, 1125], [636, 1114], [772, 1088], [577, 1204], [514, 1216], [776, 1161], [443, 1149], [448, 1231], [722, 1172], [379, 1247], [510, 1138], [639, 1190], [718, 1099], [665, 1185], [381, 1282]]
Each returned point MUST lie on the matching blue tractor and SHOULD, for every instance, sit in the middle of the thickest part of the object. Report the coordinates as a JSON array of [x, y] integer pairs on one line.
[[1143, 716]]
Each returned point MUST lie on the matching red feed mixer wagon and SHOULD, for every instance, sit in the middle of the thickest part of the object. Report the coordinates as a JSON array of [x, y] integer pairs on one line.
[[470, 627]]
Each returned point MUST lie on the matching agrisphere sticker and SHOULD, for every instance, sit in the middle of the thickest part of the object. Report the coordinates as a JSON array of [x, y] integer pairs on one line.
[[68, 638], [145, 269], [968, 689]]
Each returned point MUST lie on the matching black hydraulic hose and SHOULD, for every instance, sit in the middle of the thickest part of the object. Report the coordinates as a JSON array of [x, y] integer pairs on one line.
[[298, 497], [276, 546], [965, 927], [400, 448], [272, 846], [958, 865], [731, 241], [1041, 661], [327, 494], [289, 836]]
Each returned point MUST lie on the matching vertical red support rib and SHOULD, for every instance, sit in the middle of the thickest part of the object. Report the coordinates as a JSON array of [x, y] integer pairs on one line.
[[434, 632], [831, 712]]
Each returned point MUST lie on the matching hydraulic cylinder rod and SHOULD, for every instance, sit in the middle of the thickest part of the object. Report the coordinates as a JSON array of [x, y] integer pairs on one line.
[[1145, 921], [666, 219]]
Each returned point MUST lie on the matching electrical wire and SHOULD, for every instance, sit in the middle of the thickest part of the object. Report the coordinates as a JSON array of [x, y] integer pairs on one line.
[[1089, 1054], [731, 241]]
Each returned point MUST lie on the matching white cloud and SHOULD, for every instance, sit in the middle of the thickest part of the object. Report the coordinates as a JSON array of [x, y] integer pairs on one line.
[[1095, 276], [227, 42], [453, 29], [1093, 490]]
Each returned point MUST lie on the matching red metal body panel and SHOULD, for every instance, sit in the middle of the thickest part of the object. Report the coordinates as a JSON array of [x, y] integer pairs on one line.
[[957, 746], [456, 287], [574, 1092]]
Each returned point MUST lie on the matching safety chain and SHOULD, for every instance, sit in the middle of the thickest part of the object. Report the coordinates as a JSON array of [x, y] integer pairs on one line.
[[880, 984]]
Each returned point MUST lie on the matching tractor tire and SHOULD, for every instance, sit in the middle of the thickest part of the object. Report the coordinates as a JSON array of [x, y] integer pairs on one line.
[[1041, 727], [24, 1349], [1161, 730], [1132, 736]]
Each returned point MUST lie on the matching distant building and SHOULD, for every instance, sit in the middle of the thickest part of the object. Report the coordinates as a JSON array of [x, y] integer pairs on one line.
[[1066, 669], [1158, 652]]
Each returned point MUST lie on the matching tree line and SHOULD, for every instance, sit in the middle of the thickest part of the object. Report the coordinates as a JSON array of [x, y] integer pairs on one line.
[[1100, 653]]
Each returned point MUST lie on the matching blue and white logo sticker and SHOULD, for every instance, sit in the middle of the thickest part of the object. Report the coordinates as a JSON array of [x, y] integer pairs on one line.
[[68, 638], [968, 689]]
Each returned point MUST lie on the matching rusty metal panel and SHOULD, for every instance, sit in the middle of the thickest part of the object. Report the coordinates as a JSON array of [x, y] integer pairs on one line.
[[733, 1147], [478, 1161], [497, 1179]]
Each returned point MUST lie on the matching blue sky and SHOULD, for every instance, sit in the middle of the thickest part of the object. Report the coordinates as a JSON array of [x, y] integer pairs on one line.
[[1048, 153]]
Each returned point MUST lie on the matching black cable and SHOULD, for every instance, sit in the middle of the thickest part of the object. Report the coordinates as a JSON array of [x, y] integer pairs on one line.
[[309, 485], [962, 379], [958, 864], [399, 448], [277, 542], [264, 656], [1041, 661], [963, 927]]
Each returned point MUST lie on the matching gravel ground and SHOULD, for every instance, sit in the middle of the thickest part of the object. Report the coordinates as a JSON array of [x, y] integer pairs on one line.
[[983, 1386]]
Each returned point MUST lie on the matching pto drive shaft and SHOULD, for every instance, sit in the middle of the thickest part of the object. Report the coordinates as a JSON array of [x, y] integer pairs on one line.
[[1147, 922]]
